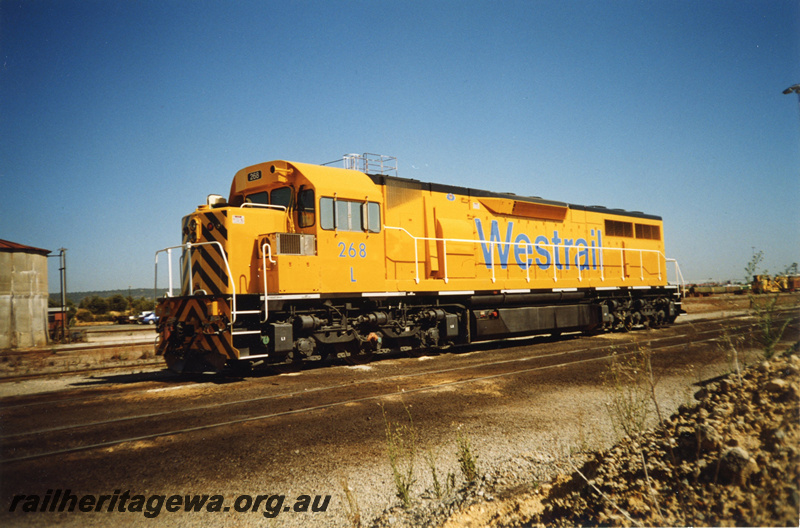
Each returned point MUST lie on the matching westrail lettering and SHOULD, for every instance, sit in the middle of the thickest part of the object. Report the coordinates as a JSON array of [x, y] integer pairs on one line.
[[544, 252]]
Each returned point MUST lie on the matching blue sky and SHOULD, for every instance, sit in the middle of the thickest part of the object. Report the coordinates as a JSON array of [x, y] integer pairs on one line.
[[117, 118]]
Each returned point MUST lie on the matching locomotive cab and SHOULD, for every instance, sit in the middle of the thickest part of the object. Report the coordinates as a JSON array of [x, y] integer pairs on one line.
[[269, 243]]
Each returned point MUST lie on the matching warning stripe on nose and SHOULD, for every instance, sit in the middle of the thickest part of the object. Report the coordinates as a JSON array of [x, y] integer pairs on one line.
[[207, 261], [193, 311]]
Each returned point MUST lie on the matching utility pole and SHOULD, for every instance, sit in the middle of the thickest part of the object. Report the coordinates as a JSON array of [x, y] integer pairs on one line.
[[63, 279]]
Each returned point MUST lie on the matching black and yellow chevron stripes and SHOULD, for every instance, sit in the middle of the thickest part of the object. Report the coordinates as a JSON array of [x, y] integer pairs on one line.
[[185, 264], [206, 335], [207, 263]]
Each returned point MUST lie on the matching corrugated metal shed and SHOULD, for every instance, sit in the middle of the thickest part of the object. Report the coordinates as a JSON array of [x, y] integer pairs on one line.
[[23, 295]]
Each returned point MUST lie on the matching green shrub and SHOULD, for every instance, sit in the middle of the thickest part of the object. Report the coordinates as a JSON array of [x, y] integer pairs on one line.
[[629, 390], [401, 446], [84, 316], [467, 460]]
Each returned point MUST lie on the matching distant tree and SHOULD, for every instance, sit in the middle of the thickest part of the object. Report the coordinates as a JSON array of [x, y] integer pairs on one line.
[[84, 316], [791, 269], [118, 303], [95, 304], [751, 269], [54, 301], [142, 304]]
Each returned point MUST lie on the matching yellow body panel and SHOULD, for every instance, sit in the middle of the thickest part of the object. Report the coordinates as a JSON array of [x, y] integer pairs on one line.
[[477, 249]]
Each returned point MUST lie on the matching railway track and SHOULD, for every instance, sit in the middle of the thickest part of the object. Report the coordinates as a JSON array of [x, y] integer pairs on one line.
[[146, 412], [41, 357], [97, 385], [13, 378]]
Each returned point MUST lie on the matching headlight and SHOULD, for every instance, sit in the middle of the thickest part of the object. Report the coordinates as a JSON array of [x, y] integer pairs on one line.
[[193, 230]]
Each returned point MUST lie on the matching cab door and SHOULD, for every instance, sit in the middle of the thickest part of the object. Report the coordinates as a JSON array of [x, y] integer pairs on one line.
[[350, 246]]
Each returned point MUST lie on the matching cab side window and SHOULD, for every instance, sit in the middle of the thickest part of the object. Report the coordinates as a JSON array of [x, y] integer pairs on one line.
[[373, 217], [259, 198], [281, 196], [305, 208], [347, 215], [326, 219]]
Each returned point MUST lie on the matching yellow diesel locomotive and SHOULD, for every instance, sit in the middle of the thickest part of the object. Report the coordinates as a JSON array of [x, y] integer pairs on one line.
[[305, 261]]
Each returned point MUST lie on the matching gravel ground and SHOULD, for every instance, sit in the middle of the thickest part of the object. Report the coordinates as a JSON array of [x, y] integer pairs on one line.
[[728, 458], [523, 448], [731, 459]]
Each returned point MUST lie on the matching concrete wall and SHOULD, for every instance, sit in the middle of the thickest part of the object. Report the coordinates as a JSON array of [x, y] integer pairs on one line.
[[23, 300]]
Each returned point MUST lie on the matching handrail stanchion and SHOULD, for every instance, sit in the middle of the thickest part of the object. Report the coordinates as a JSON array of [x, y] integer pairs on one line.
[[658, 258], [169, 269], [416, 260], [182, 264], [602, 264], [266, 247], [553, 257], [641, 265], [528, 262], [189, 264], [494, 278], [155, 282]]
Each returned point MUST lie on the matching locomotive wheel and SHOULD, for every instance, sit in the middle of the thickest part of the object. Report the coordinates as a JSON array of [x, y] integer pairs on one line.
[[326, 359], [626, 324], [326, 355], [353, 354]]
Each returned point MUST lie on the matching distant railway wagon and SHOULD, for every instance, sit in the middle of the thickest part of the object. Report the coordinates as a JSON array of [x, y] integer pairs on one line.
[[700, 290], [306, 261]]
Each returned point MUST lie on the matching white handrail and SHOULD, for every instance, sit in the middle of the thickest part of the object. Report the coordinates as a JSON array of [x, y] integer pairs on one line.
[[265, 206], [155, 286], [189, 246], [527, 245], [264, 249], [678, 277]]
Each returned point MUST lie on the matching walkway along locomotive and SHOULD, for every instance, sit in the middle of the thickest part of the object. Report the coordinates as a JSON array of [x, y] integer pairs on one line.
[[308, 261]]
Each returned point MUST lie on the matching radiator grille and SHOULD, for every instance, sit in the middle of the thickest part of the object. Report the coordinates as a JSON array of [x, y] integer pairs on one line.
[[293, 244], [288, 244]]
